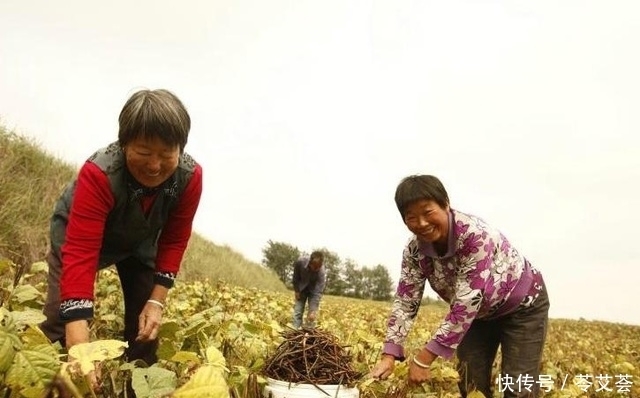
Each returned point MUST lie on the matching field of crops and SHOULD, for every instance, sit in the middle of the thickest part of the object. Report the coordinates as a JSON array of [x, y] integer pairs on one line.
[[216, 337]]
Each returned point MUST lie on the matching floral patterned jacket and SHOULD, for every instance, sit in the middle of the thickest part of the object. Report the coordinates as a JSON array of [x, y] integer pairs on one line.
[[481, 277]]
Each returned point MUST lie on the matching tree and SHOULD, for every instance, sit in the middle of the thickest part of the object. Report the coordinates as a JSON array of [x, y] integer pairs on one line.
[[353, 279], [279, 257], [380, 283]]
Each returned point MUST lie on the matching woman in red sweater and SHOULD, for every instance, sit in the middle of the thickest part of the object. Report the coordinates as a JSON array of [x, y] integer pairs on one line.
[[132, 205]]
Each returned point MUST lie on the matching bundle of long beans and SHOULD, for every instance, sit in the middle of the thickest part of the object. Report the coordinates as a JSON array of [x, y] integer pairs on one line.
[[311, 356]]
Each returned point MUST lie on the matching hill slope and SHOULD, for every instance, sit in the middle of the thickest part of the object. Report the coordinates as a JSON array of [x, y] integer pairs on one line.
[[31, 181]]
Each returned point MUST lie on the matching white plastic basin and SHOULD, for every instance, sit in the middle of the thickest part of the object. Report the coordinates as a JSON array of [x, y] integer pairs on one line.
[[284, 389]]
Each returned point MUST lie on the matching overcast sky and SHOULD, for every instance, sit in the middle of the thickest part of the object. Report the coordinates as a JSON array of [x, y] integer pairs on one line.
[[306, 114]]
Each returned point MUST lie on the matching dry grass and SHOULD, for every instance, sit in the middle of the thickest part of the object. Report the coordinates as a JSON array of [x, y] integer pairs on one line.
[[30, 183], [205, 259]]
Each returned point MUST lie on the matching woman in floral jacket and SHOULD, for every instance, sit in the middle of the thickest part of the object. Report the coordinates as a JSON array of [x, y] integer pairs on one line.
[[496, 297]]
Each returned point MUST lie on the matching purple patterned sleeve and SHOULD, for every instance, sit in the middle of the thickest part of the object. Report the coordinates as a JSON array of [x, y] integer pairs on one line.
[[406, 302]]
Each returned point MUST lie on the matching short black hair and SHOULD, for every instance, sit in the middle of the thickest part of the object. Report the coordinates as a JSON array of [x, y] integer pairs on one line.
[[419, 187], [154, 114], [317, 254]]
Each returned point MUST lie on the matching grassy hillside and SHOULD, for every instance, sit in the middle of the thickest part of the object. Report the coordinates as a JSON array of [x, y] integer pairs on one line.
[[31, 181]]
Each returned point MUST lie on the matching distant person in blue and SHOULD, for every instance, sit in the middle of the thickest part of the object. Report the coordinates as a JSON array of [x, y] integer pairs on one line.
[[309, 280]]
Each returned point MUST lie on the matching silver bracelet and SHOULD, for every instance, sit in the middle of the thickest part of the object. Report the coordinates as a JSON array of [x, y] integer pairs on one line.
[[156, 302], [420, 364]]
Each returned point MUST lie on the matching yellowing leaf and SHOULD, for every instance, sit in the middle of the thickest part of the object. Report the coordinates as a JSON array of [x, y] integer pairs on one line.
[[166, 350], [33, 368], [39, 266], [475, 394], [449, 374], [31, 392], [153, 382], [240, 317], [29, 316], [215, 358], [186, 356], [207, 382], [33, 335], [277, 328], [23, 293], [169, 329], [251, 328], [366, 383], [623, 367], [9, 342], [87, 353]]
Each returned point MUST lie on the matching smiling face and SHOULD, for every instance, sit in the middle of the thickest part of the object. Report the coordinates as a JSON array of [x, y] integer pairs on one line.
[[151, 161], [428, 221]]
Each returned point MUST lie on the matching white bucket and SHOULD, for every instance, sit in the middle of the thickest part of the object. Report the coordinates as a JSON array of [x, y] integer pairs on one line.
[[284, 389]]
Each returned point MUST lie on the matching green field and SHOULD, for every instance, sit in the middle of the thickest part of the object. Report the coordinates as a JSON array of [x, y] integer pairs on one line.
[[217, 334], [216, 337]]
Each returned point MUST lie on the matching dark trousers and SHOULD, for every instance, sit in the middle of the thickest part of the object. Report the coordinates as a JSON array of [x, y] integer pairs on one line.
[[521, 337], [136, 280]]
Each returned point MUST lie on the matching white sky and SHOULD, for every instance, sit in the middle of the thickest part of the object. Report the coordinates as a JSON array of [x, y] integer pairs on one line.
[[306, 114]]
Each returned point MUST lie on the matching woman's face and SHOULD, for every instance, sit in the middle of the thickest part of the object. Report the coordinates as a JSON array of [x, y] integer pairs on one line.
[[151, 161], [428, 221]]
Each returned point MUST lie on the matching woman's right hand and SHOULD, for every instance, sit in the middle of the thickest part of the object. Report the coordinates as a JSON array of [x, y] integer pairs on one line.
[[76, 332], [384, 368]]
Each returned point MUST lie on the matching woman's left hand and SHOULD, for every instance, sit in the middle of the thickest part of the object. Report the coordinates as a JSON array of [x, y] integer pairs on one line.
[[149, 322], [418, 375], [419, 371]]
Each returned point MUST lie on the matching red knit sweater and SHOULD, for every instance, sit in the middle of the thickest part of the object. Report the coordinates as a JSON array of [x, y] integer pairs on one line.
[[92, 202]]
